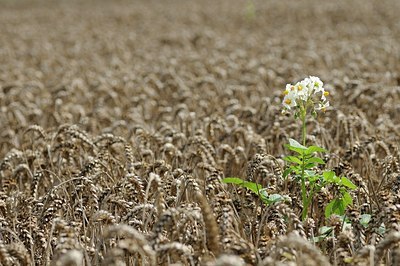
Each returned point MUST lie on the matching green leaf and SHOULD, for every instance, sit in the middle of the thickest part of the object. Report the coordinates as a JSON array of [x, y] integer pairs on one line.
[[336, 206], [275, 198], [346, 182], [365, 219], [264, 196], [347, 199], [317, 239], [269, 199], [313, 178], [329, 176], [287, 172], [298, 150], [296, 169], [309, 173], [295, 144], [382, 229], [292, 159], [315, 160], [309, 165], [325, 230], [232, 180], [312, 149], [339, 208], [329, 208], [254, 187]]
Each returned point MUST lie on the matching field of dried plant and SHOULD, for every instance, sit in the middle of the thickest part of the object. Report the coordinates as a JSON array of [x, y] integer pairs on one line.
[[120, 119]]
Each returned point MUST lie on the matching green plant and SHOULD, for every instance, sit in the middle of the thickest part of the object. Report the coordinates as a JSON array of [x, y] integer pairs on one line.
[[302, 99], [303, 165], [255, 188]]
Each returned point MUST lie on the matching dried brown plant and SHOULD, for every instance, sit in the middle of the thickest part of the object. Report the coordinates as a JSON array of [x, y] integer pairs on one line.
[[121, 119]]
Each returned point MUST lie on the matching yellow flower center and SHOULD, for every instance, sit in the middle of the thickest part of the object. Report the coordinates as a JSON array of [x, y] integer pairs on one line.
[[292, 88], [286, 92], [323, 109], [326, 93], [288, 101], [300, 88]]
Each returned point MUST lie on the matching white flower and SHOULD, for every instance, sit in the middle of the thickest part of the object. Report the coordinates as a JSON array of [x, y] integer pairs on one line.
[[316, 85], [289, 88], [324, 94], [304, 93], [302, 89], [290, 97], [322, 106]]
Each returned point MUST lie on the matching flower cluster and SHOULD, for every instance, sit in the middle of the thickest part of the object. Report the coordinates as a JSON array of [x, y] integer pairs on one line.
[[308, 92]]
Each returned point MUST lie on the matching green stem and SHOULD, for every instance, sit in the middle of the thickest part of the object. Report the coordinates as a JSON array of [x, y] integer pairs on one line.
[[303, 181], [308, 203], [304, 132], [303, 192]]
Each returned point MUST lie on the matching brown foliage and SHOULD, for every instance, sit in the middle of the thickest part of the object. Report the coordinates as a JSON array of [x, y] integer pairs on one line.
[[121, 118]]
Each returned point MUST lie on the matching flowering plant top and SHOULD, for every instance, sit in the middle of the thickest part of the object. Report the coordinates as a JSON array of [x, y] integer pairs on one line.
[[305, 94]]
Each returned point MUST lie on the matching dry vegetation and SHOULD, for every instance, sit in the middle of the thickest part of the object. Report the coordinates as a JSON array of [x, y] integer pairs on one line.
[[119, 121]]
